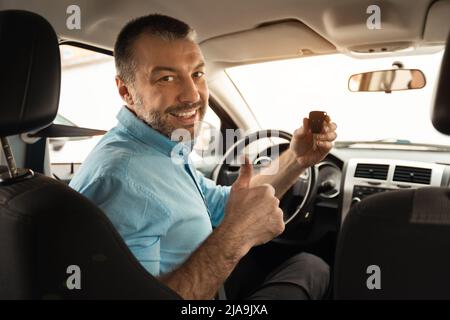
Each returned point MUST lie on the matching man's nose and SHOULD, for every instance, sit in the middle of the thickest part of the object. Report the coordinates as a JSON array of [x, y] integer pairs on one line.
[[189, 92]]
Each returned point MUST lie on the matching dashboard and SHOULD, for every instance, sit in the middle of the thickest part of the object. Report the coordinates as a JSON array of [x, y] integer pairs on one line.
[[347, 176]]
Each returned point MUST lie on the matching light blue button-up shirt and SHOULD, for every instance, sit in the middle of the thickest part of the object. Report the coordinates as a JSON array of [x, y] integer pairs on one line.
[[162, 207]]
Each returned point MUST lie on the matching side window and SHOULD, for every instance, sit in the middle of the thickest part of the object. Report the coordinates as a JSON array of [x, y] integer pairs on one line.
[[88, 99]]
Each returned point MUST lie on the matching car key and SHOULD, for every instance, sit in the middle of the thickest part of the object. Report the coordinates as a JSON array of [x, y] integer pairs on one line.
[[316, 119]]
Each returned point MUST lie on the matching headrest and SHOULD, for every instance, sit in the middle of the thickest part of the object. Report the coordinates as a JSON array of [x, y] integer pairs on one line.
[[30, 72], [441, 110]]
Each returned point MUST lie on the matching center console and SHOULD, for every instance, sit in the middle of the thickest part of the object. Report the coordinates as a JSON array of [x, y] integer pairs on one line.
[[364, 177]]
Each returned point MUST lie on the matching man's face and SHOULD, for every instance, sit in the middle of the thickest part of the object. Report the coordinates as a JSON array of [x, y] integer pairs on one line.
[[170, 90]]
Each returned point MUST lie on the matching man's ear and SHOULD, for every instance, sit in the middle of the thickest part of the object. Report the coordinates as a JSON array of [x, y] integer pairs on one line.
[[124, 91]]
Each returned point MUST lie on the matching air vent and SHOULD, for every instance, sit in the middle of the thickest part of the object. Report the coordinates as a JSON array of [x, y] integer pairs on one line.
[[412, 174], [372, 171]]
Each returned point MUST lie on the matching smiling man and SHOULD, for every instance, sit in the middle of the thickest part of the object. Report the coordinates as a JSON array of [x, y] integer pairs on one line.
[[164, 209]]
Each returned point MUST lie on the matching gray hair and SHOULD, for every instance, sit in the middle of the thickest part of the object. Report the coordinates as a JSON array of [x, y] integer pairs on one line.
[[161, 26]]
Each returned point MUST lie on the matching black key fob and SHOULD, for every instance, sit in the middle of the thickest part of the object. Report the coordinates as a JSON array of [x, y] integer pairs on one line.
[[316, 119]]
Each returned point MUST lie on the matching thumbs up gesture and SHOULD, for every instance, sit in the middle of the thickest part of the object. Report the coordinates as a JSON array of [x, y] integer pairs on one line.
[[252, 214], [245, 176]]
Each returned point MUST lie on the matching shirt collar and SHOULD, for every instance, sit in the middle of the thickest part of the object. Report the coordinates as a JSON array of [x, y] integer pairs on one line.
[[149, 136]]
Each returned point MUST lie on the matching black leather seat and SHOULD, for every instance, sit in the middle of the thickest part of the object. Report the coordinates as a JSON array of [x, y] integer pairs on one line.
[[46, 228], [405, 233]]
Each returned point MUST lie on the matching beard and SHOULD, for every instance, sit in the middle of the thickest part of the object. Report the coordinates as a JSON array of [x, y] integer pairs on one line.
[[159, 121]]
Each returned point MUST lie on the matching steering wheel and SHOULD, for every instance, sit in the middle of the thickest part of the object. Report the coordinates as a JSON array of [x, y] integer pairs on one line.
[[296, 202]]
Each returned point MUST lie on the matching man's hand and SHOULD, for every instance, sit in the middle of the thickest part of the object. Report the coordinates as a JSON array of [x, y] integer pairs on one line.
[[252, 214], [252, 217], [302, 143]]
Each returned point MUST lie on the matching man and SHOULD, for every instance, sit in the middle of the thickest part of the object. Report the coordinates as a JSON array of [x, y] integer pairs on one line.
[[163, 209]]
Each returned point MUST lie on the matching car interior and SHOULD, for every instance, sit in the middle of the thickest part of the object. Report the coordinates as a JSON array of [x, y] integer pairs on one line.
[[376, 209]]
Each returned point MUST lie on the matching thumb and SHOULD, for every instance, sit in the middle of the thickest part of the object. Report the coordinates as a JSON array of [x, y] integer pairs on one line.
[[302, 131], [245, 175], [306, 125]]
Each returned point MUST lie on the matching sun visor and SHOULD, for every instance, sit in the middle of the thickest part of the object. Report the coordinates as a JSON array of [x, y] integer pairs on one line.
[[437, 26], [280, 40]]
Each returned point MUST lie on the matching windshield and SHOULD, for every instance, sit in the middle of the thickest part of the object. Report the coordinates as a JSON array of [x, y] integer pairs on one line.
[[281, 93]]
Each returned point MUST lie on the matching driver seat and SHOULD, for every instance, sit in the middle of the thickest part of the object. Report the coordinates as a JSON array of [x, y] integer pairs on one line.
[[54, 243], [395, 245]]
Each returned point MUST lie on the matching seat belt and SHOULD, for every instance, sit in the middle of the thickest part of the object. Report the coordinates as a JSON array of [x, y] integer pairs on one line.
[[221, 294]]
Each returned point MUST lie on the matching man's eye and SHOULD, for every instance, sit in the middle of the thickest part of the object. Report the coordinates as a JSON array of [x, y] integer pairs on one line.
[[167, 79], [198, 74]]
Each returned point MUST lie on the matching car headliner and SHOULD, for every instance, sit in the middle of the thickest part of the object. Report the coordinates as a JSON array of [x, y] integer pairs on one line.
[[235, 31]]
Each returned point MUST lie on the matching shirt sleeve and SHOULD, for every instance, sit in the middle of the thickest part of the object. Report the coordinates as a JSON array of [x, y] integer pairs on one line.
[[216, 198], [139, 218]]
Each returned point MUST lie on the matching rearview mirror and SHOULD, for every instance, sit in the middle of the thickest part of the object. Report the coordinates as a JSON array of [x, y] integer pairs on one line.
[[387, 80]]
